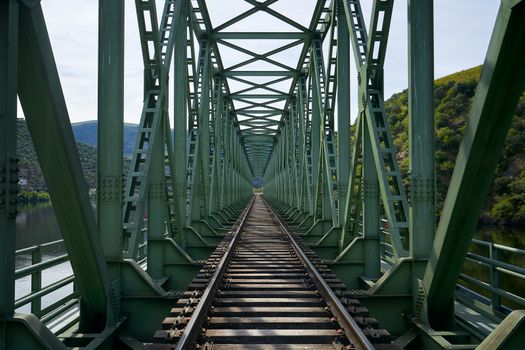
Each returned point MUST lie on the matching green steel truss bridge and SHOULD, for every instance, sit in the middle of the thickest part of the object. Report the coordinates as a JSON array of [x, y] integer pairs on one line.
[[175, 231]]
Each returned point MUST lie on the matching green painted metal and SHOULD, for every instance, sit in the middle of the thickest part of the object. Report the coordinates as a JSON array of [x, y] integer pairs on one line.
[[371, 219], [47, 118], [111, 132], [8, 161], [421, 128], [181, 97], [343, 110], [501, 84]]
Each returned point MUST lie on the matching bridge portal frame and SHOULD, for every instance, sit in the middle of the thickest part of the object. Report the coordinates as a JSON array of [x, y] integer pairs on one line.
[[308, 174]]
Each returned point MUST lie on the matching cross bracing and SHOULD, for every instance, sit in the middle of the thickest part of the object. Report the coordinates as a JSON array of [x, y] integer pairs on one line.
[[263, 66]]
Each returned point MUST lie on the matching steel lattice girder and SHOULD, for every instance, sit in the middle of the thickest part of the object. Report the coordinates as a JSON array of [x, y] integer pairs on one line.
[[255, 117]]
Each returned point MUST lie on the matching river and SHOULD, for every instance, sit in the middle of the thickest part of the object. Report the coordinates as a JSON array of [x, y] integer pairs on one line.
[[37, 224]]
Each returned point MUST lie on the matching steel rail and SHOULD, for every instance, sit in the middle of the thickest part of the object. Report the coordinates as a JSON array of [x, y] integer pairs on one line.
[[352, 330], [192, 329]]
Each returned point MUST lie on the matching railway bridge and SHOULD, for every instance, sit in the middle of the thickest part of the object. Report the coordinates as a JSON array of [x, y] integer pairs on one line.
[[266, 219]]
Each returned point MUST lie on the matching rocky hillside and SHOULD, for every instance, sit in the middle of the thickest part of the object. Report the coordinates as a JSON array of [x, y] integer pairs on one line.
[[453, 97]]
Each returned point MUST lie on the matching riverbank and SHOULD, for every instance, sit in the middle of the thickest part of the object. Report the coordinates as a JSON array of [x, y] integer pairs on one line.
[[33, 197]]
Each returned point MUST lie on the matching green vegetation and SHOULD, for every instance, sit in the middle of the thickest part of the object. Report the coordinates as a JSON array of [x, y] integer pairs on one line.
[[30, 168], [453, 97], [32, 197]]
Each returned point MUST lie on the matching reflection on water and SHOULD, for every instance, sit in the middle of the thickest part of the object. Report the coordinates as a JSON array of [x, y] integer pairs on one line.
[[37, 225], [511, 237]]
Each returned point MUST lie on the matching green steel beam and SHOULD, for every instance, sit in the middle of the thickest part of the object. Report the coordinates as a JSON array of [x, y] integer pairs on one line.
[[260, 35], [259, 122], [277, 15], [180, 93], [421, 128], [371, 218], [356, 26], [110, 131], [8, 161], [200, 184], [280, 97], [260, 57], [266, 111], [156, 209], [268, 102], [343, 109], [149, 133], [499, 88], [262, 114], [47, 118], [260, 73], [257, 7], [315, 135], [263, 86], [220, 109]]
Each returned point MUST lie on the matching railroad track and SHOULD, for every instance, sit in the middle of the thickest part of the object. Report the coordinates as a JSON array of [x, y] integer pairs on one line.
[[263, 288]]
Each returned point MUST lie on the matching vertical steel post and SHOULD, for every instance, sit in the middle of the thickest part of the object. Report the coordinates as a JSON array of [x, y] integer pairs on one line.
[[180, 118], [110, 130], [36, 281], [495, 276], [421, 128], [217, 117], [8, 90], [303, 200], [156, 204], [200, 192], [343, 109], [315, 142], [371, 219]]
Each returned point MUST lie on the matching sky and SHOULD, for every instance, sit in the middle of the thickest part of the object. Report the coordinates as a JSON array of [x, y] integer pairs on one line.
[[462, 33]]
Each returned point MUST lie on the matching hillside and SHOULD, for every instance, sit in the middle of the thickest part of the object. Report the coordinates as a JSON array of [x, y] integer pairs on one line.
[[30, 168], [453, 97]]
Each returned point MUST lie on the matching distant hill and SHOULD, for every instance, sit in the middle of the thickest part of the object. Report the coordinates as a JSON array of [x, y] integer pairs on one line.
[[452, 98], [86, 132], [30, 168]]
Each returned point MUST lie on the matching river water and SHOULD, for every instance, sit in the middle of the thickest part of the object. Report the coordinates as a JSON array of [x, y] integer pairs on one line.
[[37, 225]]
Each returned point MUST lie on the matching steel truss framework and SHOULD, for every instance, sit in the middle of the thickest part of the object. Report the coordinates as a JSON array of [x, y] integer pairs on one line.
[[333, 186]]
